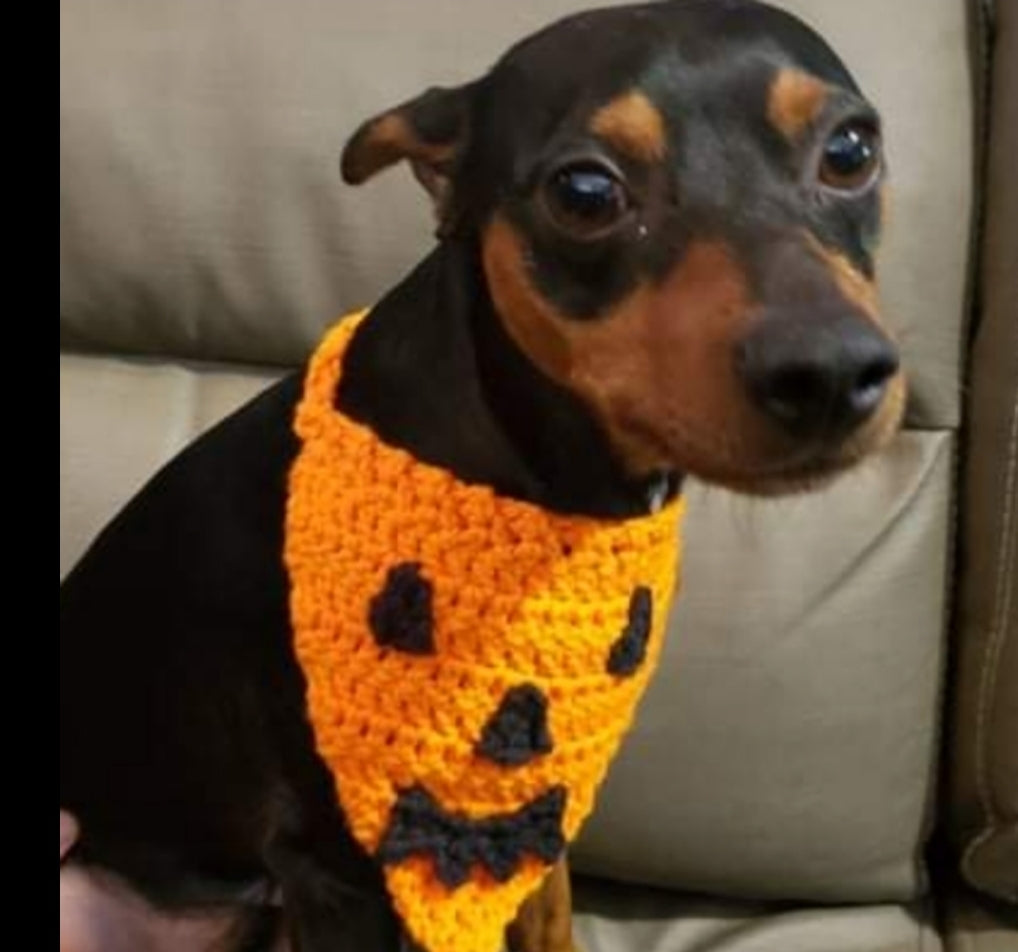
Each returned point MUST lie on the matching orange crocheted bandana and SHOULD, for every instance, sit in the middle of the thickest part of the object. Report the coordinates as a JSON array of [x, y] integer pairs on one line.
[[472, 662]]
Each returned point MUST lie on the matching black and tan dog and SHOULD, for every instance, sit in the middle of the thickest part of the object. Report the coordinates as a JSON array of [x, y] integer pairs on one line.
[[655, 252]]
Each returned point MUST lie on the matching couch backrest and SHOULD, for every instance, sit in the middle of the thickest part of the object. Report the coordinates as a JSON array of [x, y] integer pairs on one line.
[[202, 213]]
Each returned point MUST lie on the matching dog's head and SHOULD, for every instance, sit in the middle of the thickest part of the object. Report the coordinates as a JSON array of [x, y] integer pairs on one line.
[[676, 207]]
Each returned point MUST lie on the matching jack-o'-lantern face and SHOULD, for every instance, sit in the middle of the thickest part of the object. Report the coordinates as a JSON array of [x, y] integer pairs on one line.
[[471, 661]]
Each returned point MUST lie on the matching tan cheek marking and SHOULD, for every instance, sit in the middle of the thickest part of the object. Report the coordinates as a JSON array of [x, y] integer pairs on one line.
[[633, 125], [880, 429], [794, 100], [853, 285], [662, 358], [641, 365], [531, 322], [862, 292]]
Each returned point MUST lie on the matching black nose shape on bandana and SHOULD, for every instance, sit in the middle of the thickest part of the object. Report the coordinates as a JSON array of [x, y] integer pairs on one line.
[[518, 730]]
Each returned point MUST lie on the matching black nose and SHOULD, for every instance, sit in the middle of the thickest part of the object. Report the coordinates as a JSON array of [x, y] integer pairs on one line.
[[816, 374]]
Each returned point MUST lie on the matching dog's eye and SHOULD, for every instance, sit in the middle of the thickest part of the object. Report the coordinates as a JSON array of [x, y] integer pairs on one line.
[[585, 199], [851, 156]]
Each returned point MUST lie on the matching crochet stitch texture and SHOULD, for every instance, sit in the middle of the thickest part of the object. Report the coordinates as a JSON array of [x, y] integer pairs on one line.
[[472, 662]]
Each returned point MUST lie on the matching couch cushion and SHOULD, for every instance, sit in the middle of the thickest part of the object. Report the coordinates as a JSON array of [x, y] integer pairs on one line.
[[786, 747], [612, 918], [202, 213], [120, 420]]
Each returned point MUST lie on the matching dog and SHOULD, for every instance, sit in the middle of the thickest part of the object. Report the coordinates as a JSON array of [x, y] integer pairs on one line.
[[656, 227]]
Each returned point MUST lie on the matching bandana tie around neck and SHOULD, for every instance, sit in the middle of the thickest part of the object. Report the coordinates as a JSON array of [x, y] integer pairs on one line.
[[472, 662]]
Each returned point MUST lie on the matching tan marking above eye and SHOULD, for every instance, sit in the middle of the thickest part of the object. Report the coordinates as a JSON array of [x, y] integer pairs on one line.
[[794, 100], [632, 124]]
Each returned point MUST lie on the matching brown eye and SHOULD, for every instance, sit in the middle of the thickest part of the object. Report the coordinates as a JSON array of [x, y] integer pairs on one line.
[[851, 156], [585, 199]]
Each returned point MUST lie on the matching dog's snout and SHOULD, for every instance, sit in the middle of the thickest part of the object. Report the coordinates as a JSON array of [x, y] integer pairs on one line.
[[816, 374]]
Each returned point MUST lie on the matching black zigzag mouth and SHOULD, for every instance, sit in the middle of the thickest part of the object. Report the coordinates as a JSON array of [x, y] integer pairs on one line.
[[456, 844]]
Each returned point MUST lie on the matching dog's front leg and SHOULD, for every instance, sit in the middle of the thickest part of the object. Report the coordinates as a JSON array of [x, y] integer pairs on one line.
[[545, 921]]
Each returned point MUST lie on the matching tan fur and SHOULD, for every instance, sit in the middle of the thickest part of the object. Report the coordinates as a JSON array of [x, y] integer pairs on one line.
[[853, 285], [794, 100], [862, 292], [387, 140], [657, 368], [632, 124], [544, 922]]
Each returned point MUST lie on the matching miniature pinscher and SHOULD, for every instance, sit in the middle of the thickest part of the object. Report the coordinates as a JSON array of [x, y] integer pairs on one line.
[[656, 228]]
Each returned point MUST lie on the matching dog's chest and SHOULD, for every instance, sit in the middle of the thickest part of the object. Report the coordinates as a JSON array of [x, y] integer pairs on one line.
[[472, 663]]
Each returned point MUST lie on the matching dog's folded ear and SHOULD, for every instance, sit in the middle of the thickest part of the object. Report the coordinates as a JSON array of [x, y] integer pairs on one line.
[[429, 131]]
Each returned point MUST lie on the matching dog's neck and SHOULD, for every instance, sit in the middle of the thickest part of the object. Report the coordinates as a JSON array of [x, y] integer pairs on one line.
[[433, 371]]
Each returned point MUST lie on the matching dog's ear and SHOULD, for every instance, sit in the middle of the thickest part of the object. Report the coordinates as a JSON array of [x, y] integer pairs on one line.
[[429, 131]]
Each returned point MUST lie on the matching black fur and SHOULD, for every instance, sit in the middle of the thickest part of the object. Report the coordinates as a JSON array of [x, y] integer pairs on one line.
[[437, 374]]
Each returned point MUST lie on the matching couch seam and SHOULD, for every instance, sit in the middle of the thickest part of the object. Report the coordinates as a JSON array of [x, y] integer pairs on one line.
[[988, 676], [981, 27]]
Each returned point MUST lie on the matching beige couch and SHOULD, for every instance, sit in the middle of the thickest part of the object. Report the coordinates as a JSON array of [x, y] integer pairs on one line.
[[828, 761]]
